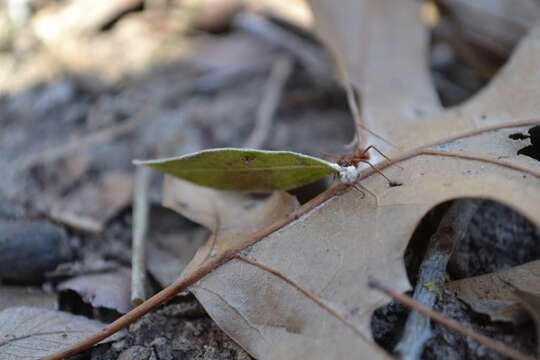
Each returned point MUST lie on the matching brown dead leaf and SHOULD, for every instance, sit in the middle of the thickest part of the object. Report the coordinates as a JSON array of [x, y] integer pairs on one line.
[[332, 251], [108, 290], [89, 207], [230, 215], [32, 333], [493, 294]]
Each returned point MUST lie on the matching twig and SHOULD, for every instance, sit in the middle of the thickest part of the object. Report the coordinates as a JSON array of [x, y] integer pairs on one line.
[[451, 230], [306, 293], [312, 57], [281, 70], [450, 323], [184, 282], [140, 229], [213, 263]]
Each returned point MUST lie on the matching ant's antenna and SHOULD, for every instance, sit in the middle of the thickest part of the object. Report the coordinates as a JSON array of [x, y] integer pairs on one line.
[[353, 102]]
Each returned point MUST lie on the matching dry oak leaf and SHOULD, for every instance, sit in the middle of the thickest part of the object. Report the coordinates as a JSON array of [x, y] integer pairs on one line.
[[310, 297], [493, 294], [231, 216], [32, 333], [110, 290]]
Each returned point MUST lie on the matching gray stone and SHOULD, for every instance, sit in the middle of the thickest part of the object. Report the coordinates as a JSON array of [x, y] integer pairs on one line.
[[28, 249]]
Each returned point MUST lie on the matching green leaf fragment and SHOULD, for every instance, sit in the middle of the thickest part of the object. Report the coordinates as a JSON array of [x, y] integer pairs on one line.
[[244, 169]]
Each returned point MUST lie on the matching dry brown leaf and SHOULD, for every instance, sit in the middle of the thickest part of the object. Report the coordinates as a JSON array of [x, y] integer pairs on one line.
[[89, 207], [32, 333], [108, 290], [230, 215], [493, 294], [332, 251]]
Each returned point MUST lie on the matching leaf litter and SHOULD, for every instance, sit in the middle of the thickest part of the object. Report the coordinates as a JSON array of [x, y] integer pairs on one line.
[[461, 152], [291, 328], [32, 333]]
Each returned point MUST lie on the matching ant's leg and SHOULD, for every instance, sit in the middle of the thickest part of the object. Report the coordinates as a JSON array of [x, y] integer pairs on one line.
[[380, 152], [357, 188], [362, 189], [377, 170]]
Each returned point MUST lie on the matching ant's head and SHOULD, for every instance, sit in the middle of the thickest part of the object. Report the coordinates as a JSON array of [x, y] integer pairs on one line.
[[345, 162]]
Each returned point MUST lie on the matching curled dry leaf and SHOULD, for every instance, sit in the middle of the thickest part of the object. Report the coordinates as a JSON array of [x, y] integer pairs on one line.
[[493, 294], [32, 333], [531, 302], [323, 308], [109, 290], [90, 206], [245, 169]]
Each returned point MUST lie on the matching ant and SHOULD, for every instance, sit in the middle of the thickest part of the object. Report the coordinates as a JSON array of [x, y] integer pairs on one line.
[[359, 154]]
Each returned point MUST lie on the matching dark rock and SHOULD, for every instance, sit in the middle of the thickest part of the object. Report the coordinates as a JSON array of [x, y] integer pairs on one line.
[[29, 249]]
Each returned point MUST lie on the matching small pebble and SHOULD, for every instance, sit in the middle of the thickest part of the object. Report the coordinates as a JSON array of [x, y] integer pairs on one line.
[[28, 249]]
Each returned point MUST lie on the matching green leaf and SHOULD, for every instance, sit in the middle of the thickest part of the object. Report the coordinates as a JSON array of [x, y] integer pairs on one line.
[[244, 169]]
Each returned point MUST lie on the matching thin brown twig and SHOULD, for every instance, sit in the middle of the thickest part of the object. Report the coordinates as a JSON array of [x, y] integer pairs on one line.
[[306, 293], [449, 323], [182, 283]]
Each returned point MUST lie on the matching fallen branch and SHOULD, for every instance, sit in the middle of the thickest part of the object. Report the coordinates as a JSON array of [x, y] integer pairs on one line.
[[432, 275], [450, 323]]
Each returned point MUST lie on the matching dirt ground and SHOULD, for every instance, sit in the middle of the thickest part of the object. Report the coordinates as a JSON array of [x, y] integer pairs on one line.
[[80, 101]]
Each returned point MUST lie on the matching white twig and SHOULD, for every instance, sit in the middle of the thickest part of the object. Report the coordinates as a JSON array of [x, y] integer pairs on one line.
[[281, 69], [140, 228], [432, 275]]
